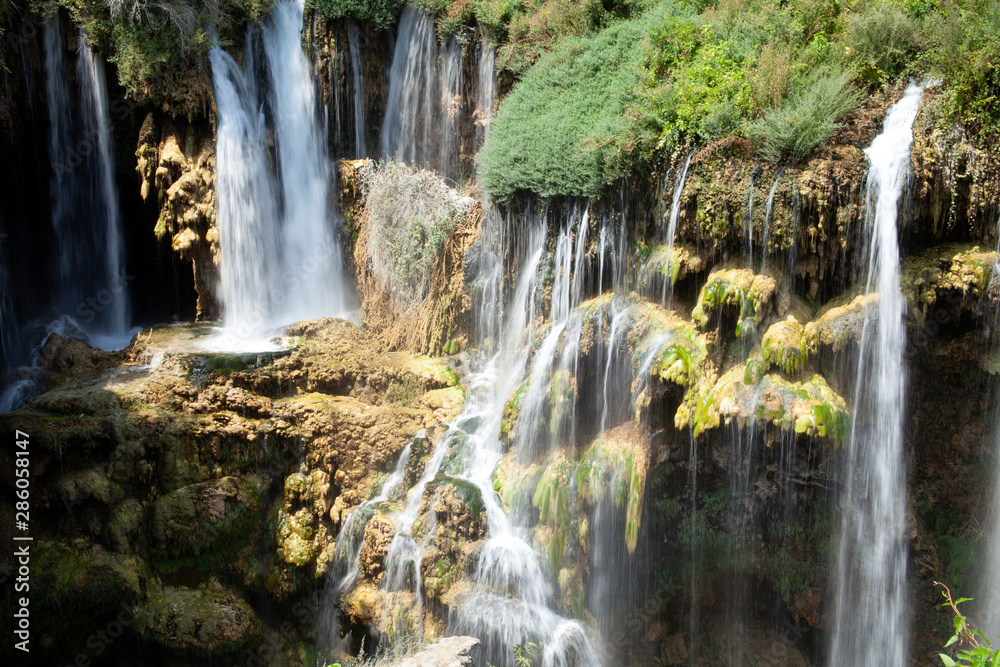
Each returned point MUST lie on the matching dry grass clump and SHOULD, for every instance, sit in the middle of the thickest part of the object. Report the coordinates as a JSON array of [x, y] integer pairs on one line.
[[410, 214]]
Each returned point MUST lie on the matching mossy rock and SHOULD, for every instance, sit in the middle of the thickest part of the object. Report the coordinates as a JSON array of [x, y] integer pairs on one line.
[[296, 533], [77, 588], [85, 579], [203, 524], [784, 345], [953, 269], [840, 323], [735, 289], [809, 407], [202, 623], [93, 483], [671, 263]]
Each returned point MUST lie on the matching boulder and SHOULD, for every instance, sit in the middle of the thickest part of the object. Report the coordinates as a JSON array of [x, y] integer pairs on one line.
[[199, 622], [449, 652]]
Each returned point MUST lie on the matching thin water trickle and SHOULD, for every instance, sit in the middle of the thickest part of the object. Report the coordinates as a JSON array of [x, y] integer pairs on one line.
[[675, 212], [358, 83], [748, 225], [486, 92], [870, 622], [766, 235]]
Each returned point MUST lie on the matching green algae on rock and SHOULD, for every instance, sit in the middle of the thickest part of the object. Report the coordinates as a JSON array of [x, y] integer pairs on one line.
[[740, 289]]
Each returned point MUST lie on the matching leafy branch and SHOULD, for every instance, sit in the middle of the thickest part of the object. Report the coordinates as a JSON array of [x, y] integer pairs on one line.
[[980, 652]]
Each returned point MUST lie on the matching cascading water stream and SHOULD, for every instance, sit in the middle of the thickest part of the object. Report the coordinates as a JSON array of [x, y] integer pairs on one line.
[[486, 92], [675, 212], [247, 202], [510, 602], [409, 128], [358, 82], [766, 235], [277, 215], [92, 288], [869, 622], [311, 258], [97, 123], [451, 107]]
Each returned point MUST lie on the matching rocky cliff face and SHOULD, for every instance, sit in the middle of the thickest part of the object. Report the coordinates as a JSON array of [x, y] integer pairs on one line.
[[176, 162], [199, 498], [172, 487]]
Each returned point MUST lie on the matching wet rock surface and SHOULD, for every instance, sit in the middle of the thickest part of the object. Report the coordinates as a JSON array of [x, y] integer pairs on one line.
[[186, 483]]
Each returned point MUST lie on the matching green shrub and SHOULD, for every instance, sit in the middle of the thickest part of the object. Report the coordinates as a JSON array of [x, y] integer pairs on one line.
[[808, 117], [885, 41], [381, 13], [708, 95], [558, 132], [966, 53]]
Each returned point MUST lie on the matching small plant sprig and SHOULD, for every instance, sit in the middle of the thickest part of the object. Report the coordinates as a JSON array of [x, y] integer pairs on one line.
[[980, 652], [523, 653]]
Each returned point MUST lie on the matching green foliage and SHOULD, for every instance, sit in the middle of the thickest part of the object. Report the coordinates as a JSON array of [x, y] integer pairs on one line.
[[885, 40], [698, 87], [979, 651], [523, 653], [563, 130], [381, 13], [966, 52], [160, 48], [808, 117]]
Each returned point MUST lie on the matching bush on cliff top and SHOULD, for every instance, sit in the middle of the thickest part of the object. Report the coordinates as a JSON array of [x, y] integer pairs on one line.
[[563, 129], [381, 13], [160, 47]]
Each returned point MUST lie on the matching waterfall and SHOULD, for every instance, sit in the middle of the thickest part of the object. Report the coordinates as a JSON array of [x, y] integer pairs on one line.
[[509, 602], [247, 200], [360, 150], [869, 622], [451, 107], [408, 129], [675, 212], [91, 283], [280, 216], [486, 92], [424, 108], [311, 259], [97, 123]]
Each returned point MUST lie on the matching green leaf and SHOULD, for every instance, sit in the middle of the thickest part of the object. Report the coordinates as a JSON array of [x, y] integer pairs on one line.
[[948, 662]]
